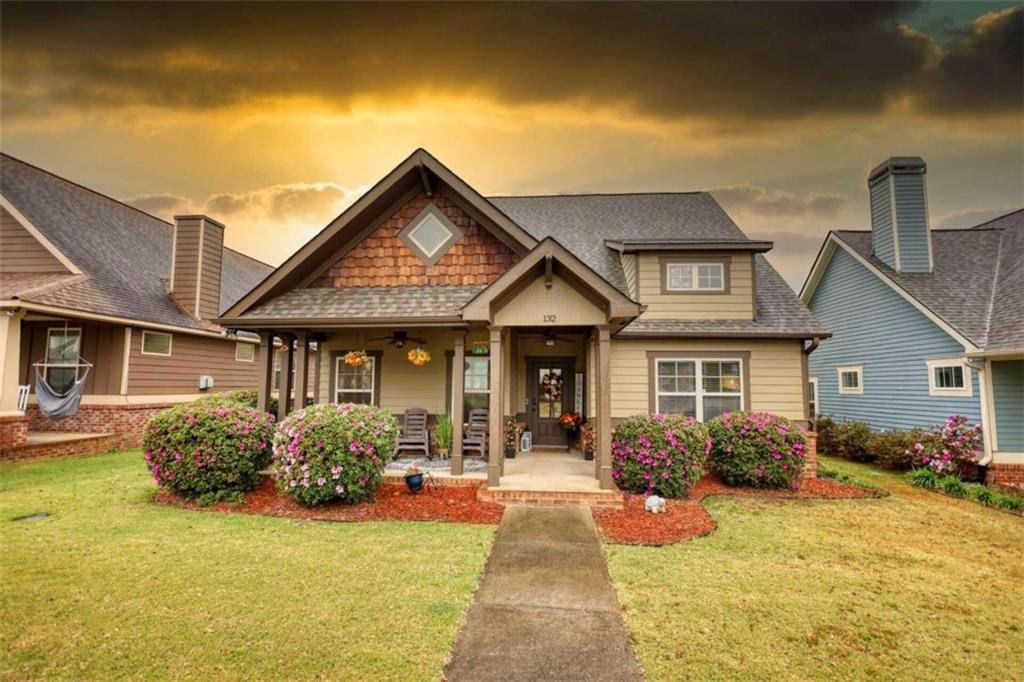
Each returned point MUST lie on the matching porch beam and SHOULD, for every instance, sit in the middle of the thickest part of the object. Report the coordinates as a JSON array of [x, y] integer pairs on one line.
[[301, 369], [495, 451], [284, 393], [604, 406], [266, 371], [458, 389]]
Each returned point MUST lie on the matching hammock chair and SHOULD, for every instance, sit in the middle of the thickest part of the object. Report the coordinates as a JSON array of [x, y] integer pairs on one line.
[[55, 404]]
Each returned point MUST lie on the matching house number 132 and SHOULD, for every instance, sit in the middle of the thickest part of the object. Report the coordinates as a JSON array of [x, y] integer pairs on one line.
[[550, 319]]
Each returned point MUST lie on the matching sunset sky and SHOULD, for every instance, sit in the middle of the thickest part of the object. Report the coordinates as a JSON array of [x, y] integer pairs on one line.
[[272, 118]]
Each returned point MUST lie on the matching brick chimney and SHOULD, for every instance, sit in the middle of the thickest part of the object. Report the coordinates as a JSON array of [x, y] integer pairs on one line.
[[196, 264], [900, 235]]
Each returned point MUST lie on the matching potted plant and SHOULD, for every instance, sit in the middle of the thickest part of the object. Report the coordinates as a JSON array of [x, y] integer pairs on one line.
[[355, 358], [443, 435], [570, 421], [414, 479], [418, 357], [511, 437], [588, 441]]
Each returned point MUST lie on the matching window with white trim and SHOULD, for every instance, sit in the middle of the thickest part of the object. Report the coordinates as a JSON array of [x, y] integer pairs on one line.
[[703, 389], [156, 343], [477, 383], [245, 352], [279, 357], [851, 379], [62, 352], [950, 378], [355, 384], [812, 394], [694, 277]]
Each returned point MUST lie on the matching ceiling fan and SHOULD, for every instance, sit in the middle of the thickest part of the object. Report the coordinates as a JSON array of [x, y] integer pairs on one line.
[[549, 336], [399, 339]]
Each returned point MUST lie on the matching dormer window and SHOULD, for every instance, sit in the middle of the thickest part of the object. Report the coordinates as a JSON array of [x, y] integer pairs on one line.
[[430, 234], [681, 276]]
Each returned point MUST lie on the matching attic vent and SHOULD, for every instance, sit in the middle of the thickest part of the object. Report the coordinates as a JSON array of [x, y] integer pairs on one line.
[[430, 234]]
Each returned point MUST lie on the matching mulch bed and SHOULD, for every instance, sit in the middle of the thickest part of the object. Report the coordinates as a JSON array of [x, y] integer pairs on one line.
[[393, 503], [686, 519]]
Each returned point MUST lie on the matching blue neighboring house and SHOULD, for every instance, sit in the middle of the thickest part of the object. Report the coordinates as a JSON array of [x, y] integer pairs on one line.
[[925, 323]]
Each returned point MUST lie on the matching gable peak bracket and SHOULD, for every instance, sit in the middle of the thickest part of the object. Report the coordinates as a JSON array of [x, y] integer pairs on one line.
[[425, 179], [548, 270]]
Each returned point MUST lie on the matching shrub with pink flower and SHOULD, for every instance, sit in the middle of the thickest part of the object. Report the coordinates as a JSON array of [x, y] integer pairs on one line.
[[947, 450], [758, 449], [333, 452], [658, 454], [207, 451]]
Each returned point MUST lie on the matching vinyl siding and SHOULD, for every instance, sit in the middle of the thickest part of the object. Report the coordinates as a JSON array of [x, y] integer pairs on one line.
[[537, 305], [21, 252], [191, 356], [873, 326], [912, 222], [776, 384], [1008, 395], [738, 304], [629, 270], [881, 221]]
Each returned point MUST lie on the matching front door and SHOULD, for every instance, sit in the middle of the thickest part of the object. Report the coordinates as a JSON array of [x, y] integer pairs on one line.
[[549, 386]]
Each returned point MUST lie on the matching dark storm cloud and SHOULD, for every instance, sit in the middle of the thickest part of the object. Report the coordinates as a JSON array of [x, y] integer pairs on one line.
[[765, 61]]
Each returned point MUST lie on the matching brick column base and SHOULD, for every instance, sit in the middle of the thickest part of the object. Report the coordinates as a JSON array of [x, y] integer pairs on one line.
[[13, 430], [811, 458], [1006, 476]]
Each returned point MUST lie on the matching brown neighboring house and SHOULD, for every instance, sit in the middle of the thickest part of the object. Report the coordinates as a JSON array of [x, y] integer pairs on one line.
[[609, 305], [82, 274]]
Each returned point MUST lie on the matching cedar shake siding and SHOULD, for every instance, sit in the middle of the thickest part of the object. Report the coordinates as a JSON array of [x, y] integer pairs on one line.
[[196, 267], [101, 344], [191, 356], [20, 252], [383, 259]]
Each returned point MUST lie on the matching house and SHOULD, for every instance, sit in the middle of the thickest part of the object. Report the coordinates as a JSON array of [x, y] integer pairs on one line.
[[926, 323], [85, 276], [534, 306]]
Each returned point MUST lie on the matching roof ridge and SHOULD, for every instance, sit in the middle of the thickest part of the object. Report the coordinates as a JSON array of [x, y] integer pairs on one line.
[[998, 217], [116, 201], [593, 194]]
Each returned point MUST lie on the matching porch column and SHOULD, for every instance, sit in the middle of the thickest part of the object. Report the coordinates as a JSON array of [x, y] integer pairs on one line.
[[266, 370], [316, 371], [458, 388], [284, 393], [604, 407], [495, 449], [301, 369]]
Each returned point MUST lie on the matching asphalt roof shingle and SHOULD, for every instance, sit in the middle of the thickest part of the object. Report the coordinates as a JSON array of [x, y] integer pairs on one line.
[[977, 281], [124, 253], [366, 302]]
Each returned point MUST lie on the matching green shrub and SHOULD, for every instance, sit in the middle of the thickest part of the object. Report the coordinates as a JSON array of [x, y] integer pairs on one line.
[[248, 397], [894, 449], [206, 451], [333, 452], [951, 485], [851, 441], [924, 477], [659, 454], [951, 448], [757, 449], [826, 430]]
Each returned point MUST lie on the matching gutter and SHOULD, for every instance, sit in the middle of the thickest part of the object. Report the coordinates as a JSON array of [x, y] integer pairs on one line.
[[815, 342]]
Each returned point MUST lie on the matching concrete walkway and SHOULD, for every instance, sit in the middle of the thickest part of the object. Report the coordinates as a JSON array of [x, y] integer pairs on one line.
[[546, 609]]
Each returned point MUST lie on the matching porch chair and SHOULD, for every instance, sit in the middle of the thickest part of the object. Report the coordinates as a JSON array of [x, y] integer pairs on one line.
[[475, 438], [414, 435]]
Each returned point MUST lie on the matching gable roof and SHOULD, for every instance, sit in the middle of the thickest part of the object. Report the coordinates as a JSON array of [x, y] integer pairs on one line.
[[976, 286], [123, 254]]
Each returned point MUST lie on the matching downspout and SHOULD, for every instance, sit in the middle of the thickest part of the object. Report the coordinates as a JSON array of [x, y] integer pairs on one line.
[[815, 342], [986, 420]]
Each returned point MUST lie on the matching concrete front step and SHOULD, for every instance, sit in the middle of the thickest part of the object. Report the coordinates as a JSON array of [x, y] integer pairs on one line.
[[605, 499]]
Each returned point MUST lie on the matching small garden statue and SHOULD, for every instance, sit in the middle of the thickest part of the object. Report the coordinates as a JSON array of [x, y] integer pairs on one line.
[[655, 504]]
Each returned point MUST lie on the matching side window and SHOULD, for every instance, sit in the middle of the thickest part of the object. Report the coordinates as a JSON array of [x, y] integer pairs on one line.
[[156, 343], [62, 348], [851, 379]]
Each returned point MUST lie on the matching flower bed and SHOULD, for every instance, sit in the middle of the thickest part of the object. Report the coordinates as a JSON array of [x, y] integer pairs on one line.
[[686, 519], [392, 503]]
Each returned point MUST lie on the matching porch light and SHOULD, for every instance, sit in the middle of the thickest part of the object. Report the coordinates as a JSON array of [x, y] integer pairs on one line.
[[549, 341]]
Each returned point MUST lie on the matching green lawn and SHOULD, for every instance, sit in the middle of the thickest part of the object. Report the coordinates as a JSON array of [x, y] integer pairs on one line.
[[112, 586], [914, 586]]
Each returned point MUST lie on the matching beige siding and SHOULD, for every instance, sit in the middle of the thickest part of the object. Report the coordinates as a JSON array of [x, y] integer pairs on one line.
[[629, 269], [191, 356], [776, 383], [539, 305], [738, 304], [21, 252], [101, 344]]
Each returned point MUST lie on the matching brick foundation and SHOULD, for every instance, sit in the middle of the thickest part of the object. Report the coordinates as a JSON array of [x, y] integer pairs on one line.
[[116, 419], [71, 448], [1006, 476], [13, 430], [811, 459]]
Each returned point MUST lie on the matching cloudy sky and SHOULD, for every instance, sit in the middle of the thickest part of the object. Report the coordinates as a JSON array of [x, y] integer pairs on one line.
[[273, 118]]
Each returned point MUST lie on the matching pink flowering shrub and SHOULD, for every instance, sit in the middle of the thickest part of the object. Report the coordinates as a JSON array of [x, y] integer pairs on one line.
[[333, 452], [947, 450], [758, 449], [205, 451], [658, 454]]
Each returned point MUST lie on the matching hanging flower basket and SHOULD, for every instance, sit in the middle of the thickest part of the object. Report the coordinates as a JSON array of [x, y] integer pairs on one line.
[[418, 357], [355, 358]]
